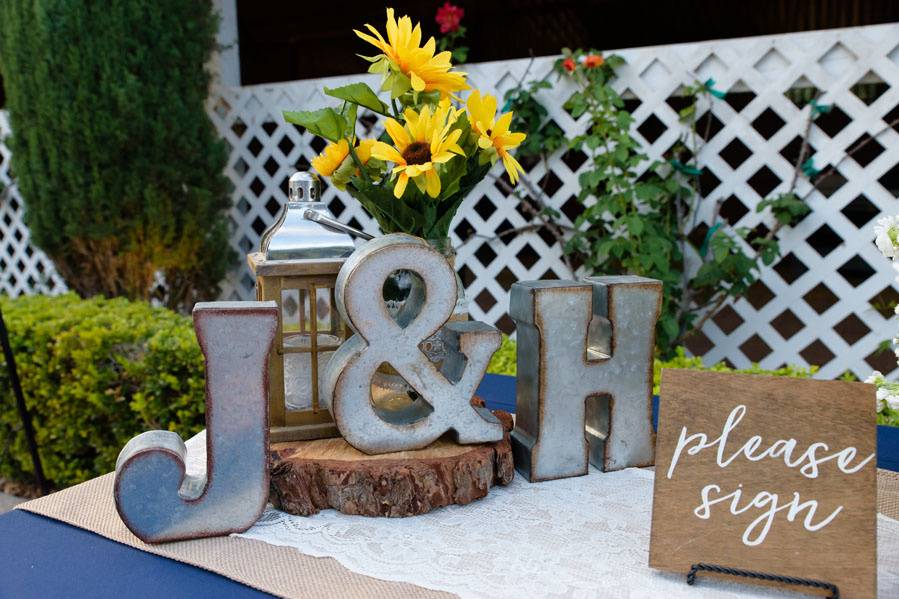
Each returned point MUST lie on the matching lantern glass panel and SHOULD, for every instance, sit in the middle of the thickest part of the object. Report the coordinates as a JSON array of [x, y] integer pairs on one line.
[[312, 330], [324, 311], [290, 310]]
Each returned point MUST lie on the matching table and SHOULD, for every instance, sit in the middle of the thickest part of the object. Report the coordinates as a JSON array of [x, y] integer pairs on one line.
[[41, 557]]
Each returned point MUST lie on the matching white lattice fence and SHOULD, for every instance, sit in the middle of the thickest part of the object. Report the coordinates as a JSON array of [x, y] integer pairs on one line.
[[818, 305], [823, 303], [23, 268]]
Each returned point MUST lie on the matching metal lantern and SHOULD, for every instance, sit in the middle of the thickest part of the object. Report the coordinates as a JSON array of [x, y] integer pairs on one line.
[[296, 267]]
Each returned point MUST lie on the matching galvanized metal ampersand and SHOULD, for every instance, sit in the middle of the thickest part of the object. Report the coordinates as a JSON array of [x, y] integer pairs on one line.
[[584, 389], [380, 338], [156, 498]]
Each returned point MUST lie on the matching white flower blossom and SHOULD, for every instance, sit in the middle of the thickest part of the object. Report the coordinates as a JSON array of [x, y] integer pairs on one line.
[[887, 395], [875, 378], [886, 233]]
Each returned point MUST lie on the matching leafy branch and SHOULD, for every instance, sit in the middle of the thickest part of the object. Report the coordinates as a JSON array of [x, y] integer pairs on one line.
[[638, 214], [544, 138]]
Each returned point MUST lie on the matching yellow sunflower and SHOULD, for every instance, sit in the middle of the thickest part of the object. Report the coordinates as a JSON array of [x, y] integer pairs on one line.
[[335, 153], [494, 132], [332, 157], [363, 150], [410, 64], [426, 140]]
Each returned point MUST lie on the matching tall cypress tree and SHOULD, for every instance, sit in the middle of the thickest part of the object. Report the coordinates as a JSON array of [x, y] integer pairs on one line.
[[113, 152]]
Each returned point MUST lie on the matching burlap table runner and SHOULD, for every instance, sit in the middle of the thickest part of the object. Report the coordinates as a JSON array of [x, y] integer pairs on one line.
[[277, 570], [282, 571]]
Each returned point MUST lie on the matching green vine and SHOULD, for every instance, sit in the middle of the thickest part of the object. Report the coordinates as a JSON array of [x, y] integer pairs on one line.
[[640, 215], [531, 116]]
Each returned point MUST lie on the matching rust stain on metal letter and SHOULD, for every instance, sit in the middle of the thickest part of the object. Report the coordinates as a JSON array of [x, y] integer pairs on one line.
[[584, 390], [155, 497]]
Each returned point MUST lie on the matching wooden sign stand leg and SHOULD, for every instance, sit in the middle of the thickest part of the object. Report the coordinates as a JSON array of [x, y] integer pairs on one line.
[[787, 580]]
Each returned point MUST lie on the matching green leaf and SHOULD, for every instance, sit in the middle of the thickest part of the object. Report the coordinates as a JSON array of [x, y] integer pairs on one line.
[[361, 95], [661, 261], [768, 250], [350, 117], [455, 192], [379, 64], [686, 113], [397, 83], [647, 191], [393, 215], [615, 61], [635, 224], [669, 325], [327, 122]]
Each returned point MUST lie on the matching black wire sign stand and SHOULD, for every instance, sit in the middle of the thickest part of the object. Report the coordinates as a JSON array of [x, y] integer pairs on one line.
[[806, 582], [27, 428]]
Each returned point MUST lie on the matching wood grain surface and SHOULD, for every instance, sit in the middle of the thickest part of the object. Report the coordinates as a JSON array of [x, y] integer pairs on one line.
[[308, 476], [777, 409]]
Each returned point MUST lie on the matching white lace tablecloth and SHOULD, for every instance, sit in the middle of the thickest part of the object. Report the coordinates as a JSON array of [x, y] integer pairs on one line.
[[576, 537]]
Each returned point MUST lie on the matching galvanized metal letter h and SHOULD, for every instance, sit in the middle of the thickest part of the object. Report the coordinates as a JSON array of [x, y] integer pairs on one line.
[[584, 390]]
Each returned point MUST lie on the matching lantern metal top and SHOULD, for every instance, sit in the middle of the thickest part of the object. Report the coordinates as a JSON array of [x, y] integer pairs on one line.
[[296, 236], [303, 187]]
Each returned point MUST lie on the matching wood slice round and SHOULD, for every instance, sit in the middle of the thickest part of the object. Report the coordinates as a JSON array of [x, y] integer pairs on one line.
[[308, 476]]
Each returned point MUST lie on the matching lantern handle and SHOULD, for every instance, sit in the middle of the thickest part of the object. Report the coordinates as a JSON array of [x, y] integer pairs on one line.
[[326, 221]]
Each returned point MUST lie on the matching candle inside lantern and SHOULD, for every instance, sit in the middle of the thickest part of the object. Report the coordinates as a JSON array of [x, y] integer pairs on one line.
[[299, 330]]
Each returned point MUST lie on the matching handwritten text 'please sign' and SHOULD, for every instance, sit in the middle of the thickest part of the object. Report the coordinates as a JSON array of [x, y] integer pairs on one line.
[[768, 474], [806, 461]]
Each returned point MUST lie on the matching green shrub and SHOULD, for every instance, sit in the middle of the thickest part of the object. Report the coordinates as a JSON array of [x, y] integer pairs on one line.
[[95, 373], [681, 360], [503, 361], [114, 154]]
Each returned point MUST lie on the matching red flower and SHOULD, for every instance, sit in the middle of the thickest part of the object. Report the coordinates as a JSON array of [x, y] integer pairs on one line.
[[593, 60], [449, 16], [569, 65]]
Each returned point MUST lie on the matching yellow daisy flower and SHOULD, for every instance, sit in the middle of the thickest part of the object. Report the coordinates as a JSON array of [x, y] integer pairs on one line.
[[332, 157], [494, 132], [335, 153], [422, 69], [363, 150], [426, 140]]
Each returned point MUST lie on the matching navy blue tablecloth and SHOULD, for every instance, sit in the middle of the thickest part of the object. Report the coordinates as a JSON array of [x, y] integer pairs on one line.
[[44, 558], [40, 557]]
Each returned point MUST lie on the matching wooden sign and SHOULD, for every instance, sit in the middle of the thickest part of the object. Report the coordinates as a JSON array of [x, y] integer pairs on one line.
[[767, 474]]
